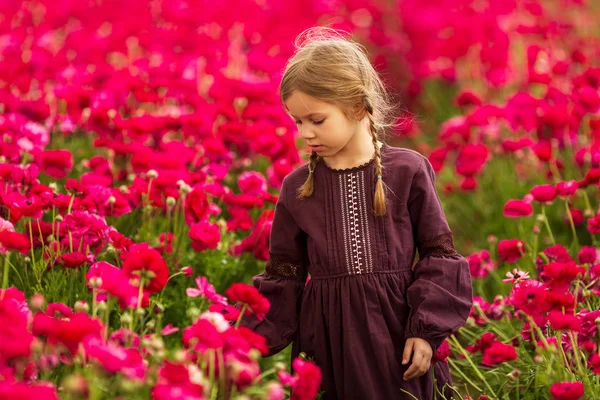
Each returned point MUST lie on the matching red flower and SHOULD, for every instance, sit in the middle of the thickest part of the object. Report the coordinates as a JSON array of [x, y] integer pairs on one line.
[[143, 258], [256, 302], [544, 193], [309, 380], [588, 255], [202, 335], [252, 183], [560, 275], [498, 353], [57, 163], [15, 338], [593, 225], [15, 241], [196, 206], [517, 208], [511, 250], [69, 332], [566, 189], [595, 363], [204, 235], [230, 313], [177, 381], [442, 353], [567, 391], [559, 321], [72, 260]]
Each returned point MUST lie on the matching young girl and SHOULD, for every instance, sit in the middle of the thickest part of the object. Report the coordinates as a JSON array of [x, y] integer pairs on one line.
[[352, 218]]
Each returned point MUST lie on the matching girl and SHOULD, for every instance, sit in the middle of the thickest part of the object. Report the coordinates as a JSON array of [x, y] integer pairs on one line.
[[352, 218]]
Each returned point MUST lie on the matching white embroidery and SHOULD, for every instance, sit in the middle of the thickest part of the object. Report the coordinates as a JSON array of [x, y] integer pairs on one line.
[[355, 223]]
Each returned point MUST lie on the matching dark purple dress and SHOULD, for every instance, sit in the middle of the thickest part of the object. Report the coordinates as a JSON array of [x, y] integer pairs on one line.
[[363, 299]]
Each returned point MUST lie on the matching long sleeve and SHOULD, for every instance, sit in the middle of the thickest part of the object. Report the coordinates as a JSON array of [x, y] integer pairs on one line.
[[283, 279], [440, 295]]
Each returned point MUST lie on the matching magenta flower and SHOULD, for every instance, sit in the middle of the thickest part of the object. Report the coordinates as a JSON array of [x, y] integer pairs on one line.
[[206, 291]]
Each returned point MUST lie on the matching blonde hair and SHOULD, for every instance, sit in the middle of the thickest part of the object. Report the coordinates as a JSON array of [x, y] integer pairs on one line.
[[336, 70]]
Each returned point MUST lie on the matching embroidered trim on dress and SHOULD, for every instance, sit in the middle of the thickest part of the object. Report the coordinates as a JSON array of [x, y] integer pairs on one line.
[[355, 223], [281, 267], [442, 245]]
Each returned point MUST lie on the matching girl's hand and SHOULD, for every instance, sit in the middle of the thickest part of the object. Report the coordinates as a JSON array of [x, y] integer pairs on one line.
[[421, 361]]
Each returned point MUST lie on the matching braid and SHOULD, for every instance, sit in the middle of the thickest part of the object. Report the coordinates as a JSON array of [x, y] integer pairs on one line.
[[379, 199], [308, 187]]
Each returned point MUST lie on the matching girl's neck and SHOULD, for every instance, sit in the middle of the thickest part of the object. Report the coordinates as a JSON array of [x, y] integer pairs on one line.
[[355, 153]]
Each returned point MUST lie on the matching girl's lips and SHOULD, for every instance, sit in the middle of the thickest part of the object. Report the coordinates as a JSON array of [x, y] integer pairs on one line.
[[316, 148]]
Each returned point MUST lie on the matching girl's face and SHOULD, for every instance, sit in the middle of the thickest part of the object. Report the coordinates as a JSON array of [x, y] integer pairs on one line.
[[323, 126]]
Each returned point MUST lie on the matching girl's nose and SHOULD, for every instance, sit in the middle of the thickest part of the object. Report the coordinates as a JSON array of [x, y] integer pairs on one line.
[[306, 132]]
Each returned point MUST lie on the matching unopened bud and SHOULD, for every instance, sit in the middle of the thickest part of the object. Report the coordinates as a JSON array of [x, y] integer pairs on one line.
[[37, 302], [81, 305], [112, 200], [126, 318], [95, 282], [59, 218], [171, 201], [140, 312], [152, 174]]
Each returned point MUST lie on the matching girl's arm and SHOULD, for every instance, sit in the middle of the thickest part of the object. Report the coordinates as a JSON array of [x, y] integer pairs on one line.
[[283, 279], [440, 296]]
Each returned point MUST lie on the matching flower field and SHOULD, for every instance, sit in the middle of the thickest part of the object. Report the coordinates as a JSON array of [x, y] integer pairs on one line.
[[143, 146]]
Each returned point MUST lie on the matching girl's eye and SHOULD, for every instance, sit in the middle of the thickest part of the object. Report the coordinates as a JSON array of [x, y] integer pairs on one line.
[[314, 122]]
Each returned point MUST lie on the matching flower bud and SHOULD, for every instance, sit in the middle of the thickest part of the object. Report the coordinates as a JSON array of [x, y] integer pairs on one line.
[[112, 200], [80, 306], [53, 186], [279, 366], [37, 302], [588, 213], [538, 359], [102, 306], [254, 354], [59, 218], [95, 282], [75, 386], [152, 174], [126, 318], [171, 201], [158, 308], [193, 313], [140, 312], [150, 324], [187, 271]]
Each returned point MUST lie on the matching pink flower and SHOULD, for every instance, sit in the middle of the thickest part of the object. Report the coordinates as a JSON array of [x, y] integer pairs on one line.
[[202, 335], [566, 189], [168, 330], [588, 255], [517, 208], [594, 225], [252, 183], [204, 236], [206, 291], [498, 353], [544, 193], [511, 250], [256, 303], [567, 391]]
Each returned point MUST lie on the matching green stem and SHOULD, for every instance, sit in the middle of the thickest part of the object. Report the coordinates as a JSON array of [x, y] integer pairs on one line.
[[239, 320], [470, 361], [5, 274], [575, 238], [547, 224]]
